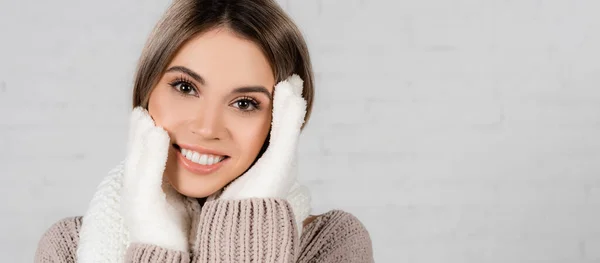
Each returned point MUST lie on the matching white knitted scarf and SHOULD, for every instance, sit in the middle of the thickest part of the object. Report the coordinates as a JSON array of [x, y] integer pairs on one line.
[[103, 236]]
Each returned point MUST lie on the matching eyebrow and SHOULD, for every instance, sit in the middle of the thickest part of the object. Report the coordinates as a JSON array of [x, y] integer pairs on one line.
[[259, 89], [198, 78], [189, 72]]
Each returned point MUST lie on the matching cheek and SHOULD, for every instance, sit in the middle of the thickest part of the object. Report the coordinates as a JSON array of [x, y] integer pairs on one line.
[[166, 110], [250, 135]]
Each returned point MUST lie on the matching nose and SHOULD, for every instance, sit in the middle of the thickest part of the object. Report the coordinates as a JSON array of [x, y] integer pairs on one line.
[[207, 122]]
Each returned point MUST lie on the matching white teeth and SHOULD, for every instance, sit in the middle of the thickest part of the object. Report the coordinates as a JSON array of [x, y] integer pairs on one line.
[[204, 159]]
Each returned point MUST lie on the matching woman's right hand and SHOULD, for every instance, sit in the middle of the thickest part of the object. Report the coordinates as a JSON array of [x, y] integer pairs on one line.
[[153, 212]]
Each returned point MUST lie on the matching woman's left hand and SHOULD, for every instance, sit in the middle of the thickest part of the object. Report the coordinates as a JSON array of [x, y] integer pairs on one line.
[[274, 174]]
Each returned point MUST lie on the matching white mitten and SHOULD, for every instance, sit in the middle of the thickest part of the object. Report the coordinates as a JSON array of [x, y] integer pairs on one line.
[[274, 174], [153, 211]]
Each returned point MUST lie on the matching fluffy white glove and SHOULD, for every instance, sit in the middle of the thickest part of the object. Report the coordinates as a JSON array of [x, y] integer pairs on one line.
[[274, 174], [152, 210]]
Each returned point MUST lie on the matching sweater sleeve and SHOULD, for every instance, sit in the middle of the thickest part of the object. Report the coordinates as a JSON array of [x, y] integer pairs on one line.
[[147, 253], [59, 243], [336, 237], [249, 230]]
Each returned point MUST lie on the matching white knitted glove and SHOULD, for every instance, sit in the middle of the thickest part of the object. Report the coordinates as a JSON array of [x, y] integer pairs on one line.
[[274, 174], [153, 211]]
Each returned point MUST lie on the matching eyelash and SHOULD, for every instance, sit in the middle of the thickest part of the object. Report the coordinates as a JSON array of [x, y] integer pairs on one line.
[[184, 80], [255, 104]]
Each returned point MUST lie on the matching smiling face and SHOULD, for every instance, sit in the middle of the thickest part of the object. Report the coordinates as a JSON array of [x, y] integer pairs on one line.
[[215, 101]]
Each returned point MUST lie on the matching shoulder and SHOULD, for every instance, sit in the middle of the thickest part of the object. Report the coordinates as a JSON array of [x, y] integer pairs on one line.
[[336, 236], [335, 222], [59, 242]]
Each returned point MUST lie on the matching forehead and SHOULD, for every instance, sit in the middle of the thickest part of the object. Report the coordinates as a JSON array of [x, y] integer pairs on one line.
[[224, 59]]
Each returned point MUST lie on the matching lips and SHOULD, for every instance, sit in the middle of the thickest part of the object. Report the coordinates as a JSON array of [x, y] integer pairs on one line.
[[198, 160]]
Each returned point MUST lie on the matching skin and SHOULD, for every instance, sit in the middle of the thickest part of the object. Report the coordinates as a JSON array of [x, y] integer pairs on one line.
[[214, 113]]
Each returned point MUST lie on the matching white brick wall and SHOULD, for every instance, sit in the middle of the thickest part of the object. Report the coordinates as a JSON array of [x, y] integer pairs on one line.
[[457, 131]]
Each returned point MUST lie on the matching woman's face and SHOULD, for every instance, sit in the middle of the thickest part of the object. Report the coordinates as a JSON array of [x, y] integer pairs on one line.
[[215, 101]]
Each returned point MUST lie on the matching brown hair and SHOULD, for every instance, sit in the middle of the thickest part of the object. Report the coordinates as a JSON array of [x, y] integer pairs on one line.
[[261, 21]]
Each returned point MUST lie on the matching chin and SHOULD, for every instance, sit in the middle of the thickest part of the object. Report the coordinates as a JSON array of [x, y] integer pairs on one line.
[[195, 192], [192, 185]]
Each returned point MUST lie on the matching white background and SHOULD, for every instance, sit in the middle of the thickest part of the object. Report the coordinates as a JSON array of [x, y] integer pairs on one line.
[[457, 131]]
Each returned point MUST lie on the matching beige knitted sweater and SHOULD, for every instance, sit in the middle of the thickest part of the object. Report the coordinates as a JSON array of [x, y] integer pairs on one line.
[[252, 230]]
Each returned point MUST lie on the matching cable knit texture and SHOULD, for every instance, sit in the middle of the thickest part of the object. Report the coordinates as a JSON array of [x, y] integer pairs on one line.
[[251, 230], [59, 243], [151, 253]]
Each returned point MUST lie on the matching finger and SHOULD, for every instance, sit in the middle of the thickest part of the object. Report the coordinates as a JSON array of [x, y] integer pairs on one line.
[[297, 84], [289, 109], [145, 120], [277, 161], [139, 119], [134, 159], [139, 126], [154, 159], [139, 122], [133, 127], [284, 91], [287, 125]]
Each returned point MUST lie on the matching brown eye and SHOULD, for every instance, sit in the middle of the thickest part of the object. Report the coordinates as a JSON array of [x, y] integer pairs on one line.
[[184, 87], [246, 104], [243, 104]]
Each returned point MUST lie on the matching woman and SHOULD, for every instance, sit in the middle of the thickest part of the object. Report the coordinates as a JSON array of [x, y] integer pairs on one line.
[[222, 90]]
